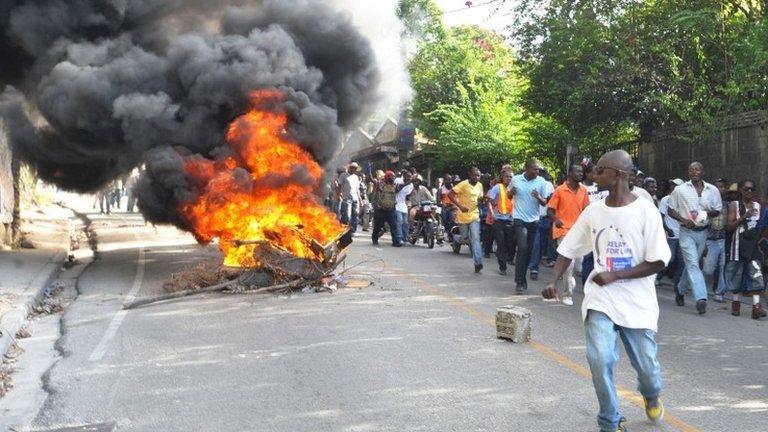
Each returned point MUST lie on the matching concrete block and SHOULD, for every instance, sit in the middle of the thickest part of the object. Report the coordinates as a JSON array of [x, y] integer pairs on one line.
[[513, 323]]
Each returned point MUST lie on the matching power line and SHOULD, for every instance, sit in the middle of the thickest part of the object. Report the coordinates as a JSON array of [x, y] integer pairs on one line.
[[472, 6]]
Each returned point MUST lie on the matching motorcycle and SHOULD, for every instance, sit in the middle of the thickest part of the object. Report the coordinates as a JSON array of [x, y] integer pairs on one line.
[[426, 225], [458, 240]]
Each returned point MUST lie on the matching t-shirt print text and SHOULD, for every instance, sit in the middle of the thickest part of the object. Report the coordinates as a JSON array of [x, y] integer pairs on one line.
[[614, 253]]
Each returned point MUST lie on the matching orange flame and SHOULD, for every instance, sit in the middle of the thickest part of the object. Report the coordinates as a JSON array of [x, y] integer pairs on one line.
[[266, 192]]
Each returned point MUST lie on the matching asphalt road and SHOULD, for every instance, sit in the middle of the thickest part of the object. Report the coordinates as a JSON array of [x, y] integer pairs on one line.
[[414, 352]]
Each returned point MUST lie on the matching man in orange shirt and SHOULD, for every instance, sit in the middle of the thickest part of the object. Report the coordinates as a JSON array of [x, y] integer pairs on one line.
[[563, 209]]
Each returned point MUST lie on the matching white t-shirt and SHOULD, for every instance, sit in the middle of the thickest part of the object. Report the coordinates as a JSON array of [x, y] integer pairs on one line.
[[673, 224], [642, 193], [401, 195], [620, 238], [595, 194], [549, 188]]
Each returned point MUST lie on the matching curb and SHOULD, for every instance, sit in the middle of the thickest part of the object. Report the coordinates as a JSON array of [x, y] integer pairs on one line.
[[13, 320]]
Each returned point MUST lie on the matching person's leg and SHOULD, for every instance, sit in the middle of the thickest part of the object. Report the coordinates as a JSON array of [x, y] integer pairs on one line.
[[474, 240], [499, 234], [353, 210], [390, 216], [587, 265], [643, 354], [344, 212], [397, 229], [602, 356], [531, 229], [405, 227], [569, 282], [692, 245], [551, 244], [378, 223], [521, 238], [535, 258], [720, 270]]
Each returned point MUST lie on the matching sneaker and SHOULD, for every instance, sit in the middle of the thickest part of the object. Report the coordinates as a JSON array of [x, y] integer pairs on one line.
[[680, 300], [478, 267], [718, 298], [375, 242], [568, 301], [758, 311], [701, 306], [534, 275], [654, 409], [519, 289], [503, 272], [736, 308]]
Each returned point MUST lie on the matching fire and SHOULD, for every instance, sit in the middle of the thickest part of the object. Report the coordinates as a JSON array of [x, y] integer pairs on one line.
[[265, 191]]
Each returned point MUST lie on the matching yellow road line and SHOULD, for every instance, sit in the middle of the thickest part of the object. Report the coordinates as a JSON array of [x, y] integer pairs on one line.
[[627, 395]]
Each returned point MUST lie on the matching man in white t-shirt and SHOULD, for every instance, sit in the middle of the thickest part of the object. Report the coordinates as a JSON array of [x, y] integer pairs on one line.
[[672, 228], [404, 188], [626, 236], [350, 196]]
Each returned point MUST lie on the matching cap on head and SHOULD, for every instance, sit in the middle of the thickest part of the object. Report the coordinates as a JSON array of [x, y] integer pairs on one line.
[[389, 175], [677, 181], [354, 166]]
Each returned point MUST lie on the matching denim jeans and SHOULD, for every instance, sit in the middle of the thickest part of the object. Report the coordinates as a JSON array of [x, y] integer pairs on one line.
[[349, 209], [676, 262], [603, 355], [400, 231], [472, 230], [714, 264], [744, 277], [525, 234], [542, 244], [692, 244]]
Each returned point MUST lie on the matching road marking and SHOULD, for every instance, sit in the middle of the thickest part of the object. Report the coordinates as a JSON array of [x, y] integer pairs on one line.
[[117, 320], [548, 352]]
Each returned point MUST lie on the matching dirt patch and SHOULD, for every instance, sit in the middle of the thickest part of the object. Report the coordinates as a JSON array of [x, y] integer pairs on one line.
[[201, 275]]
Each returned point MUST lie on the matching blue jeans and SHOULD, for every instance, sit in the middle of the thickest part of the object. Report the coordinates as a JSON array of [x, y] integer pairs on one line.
[[400, 231], [603, 355], [714, 264], [676, 260], [542, 244], [349, 209], [472, 230], [692, 244]]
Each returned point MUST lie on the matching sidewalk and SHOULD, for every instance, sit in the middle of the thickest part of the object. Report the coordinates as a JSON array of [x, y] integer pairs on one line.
[[27, 273]]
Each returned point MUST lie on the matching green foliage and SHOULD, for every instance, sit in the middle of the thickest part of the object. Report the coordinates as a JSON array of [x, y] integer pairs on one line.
[[613, 70], [423, 20]]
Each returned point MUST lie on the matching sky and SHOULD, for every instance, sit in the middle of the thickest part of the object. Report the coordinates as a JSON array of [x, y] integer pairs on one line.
[[482, 13]]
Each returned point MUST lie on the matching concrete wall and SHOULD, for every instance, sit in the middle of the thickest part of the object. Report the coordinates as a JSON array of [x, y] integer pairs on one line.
[[738, 152]]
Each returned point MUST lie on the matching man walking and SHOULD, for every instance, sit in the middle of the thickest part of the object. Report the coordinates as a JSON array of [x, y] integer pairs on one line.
[[564, 208], [503, 229], [384, 207], [529, 191], [404, 188], [466, 195], [350, 197], [714, 262], [675, 266], [625, 234], [692, 204]]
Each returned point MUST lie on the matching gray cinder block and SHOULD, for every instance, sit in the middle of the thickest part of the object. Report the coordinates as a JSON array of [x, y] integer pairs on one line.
[[513, 323]]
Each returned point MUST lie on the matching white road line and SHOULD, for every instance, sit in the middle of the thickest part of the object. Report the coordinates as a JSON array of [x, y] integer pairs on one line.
[[117, 320]]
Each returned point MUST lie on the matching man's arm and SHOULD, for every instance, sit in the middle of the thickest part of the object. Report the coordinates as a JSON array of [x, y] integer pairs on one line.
[[683, 221], [452, 197], [641, 270]]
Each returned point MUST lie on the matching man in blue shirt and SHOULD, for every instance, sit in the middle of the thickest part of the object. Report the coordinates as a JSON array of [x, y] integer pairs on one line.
[[529, 192]]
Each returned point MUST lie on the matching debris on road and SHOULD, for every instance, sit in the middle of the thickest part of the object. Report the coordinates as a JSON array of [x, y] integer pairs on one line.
[[513, 323]]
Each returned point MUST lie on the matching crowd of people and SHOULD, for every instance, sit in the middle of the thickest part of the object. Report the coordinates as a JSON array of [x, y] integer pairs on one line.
[[628, 230], [716, 231]]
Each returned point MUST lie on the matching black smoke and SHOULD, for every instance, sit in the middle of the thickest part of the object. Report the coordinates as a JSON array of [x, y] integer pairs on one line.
[[89, 89]]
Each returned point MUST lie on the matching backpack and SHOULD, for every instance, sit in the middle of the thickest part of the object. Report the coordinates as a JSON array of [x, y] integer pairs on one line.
[[385, 196]]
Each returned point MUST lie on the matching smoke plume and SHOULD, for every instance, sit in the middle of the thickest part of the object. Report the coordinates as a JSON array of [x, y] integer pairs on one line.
[[93, 88]]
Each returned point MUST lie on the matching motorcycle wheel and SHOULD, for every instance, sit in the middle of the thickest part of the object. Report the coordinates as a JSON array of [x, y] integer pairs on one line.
[[429, 236]]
